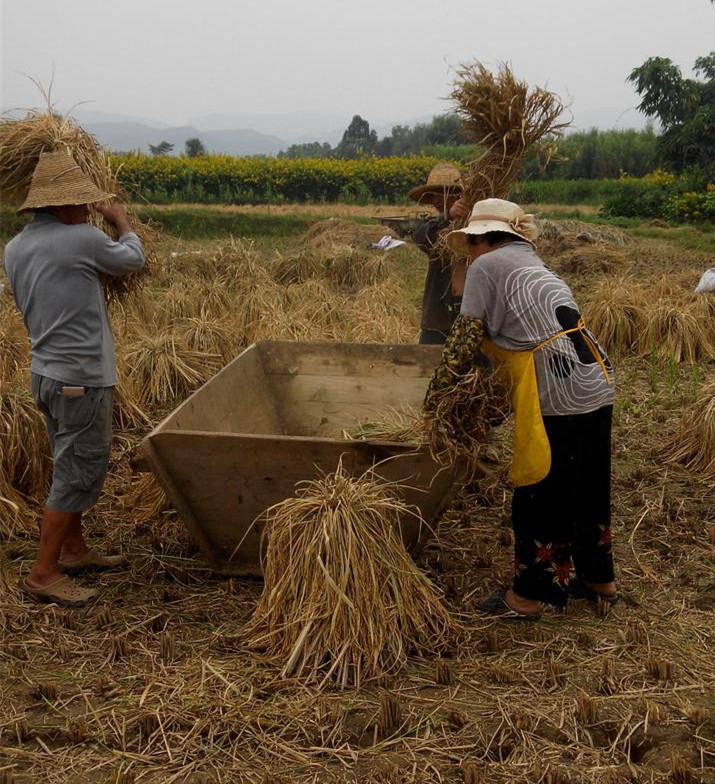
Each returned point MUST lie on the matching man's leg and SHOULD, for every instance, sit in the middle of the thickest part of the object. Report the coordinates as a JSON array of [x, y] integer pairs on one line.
[[432, 337], [53, 533]]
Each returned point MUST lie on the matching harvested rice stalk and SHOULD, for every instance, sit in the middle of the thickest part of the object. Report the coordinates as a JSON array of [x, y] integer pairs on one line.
[[146, 500], [505, 116], [304, 265], [14, 344], [164, 368], [397, 425], [21, 142], [128, 413], [25, 463], [351, 269], [378, 314], [343, 602], [676, 332], [617, 314], [337, 231], [464, 400], [210, 335], [694, 442]]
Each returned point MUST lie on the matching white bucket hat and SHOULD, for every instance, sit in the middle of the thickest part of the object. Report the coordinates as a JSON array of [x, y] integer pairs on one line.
[[494, 215]]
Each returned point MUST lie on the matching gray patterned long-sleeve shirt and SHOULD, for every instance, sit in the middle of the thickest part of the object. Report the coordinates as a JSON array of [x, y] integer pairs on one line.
[[523, 303]]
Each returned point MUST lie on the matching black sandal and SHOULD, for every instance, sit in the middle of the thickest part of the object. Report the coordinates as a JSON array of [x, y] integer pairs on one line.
[[579, 590], [496, 604]]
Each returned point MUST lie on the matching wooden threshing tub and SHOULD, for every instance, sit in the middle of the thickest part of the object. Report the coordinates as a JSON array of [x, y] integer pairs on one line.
[[273, 417]]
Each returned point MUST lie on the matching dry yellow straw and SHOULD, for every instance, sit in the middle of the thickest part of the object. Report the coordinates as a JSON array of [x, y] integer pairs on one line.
[[343, 602]]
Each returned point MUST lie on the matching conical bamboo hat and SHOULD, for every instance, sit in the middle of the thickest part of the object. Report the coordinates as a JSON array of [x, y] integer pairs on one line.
[[58, 180], [444, 178]]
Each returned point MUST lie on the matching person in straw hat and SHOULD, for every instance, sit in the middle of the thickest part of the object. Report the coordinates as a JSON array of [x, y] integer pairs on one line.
[[443, 191], [524, 318], [54, 267]]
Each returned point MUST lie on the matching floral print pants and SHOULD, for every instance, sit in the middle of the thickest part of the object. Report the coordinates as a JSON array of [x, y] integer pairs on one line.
[[562, 525]]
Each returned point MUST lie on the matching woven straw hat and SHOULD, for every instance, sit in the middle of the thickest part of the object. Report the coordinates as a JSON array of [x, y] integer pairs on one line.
[[58, 180], [494, 215], [442, 180]]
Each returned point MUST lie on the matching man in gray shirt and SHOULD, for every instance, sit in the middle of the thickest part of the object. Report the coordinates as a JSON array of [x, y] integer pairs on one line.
[[54, 267]]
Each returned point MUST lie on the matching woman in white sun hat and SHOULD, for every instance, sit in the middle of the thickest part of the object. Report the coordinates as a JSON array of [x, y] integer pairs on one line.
[[524, 317]]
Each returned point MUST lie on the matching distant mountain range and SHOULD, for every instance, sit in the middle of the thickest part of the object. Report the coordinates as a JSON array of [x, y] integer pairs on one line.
[[126, 136], [230, 133]]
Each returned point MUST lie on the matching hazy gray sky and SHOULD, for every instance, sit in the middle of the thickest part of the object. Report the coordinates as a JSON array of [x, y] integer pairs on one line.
[[385, 59]]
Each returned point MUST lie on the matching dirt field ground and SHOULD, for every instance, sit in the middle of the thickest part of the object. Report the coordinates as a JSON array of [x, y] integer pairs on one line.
[[156, 683]]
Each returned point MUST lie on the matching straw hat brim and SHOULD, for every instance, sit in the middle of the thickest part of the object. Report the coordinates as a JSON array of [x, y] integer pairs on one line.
[[437, 191], [51, 196], [458, 240]]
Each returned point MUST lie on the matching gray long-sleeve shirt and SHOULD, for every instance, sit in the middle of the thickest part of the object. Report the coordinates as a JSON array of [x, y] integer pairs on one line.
[[54, 271]]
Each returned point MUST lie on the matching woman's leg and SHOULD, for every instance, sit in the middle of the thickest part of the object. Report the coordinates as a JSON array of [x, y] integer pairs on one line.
[[592, 552], [544, 516]]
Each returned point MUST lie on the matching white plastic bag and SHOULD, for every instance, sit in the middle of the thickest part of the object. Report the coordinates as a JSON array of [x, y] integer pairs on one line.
[[707, 282]]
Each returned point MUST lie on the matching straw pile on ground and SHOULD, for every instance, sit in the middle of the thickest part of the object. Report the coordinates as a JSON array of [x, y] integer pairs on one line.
[[694, 443], [24, 457], [343, 601], [672, 323], [22, 140], [617, 314], [336, 231]]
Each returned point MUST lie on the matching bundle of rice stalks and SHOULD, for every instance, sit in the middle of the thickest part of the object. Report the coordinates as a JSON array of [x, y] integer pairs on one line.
[[617, 314], [402, 425], [343, 232], [694, 442], [128, 413], [507, 118], [310, 310], [14, 344], [297, 268], [340, 264], [378, 315], [459, 418], [676, 332], [22, 140], [259, 310], [559, 235], [209, 335], [25, 463], [164, 368], [351, 269], [343, 602], [146, 500]]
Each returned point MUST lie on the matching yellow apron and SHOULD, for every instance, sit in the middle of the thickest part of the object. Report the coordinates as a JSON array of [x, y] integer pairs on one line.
[[531, 461]]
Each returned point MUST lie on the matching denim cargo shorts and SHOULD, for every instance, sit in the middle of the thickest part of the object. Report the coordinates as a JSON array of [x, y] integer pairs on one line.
[[80, 433]]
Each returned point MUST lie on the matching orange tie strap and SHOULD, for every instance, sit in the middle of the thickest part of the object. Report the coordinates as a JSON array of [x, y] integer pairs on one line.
[[590, 343]]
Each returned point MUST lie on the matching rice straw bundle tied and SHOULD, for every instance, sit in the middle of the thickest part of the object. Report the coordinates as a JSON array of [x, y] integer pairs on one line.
[[343, 602]]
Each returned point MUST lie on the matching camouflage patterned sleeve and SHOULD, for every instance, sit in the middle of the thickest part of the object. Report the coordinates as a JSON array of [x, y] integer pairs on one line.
[[461, 354]]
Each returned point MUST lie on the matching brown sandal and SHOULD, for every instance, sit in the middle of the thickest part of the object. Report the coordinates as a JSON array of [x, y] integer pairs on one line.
[[64, 591], [93, 560]]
